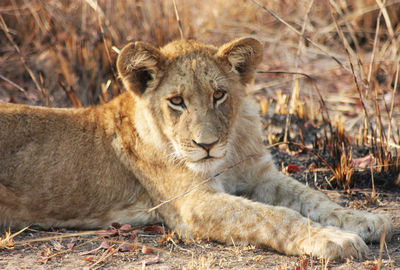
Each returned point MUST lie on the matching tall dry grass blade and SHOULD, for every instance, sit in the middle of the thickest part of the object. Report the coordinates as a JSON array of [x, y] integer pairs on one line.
[[178, 20], [110, 62], [295, 88], [21, 58], [319, 47], [339, 11], [381, 131], [340, 32], [385, 14], [353, 15], [13, 84], [378, 23], [396, 81]]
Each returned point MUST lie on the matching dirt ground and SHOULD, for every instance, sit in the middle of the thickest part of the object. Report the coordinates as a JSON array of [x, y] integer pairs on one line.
[[122, 247]]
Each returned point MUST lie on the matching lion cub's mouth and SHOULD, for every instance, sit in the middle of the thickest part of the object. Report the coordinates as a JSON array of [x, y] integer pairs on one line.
[[207, 165], [202, 156]]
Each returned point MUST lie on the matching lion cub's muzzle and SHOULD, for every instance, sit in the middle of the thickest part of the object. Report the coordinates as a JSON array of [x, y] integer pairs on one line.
[[206, 146], [202, 150]]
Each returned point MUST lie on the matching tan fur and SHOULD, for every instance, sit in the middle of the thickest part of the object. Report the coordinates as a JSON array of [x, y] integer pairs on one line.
[[87, 168]]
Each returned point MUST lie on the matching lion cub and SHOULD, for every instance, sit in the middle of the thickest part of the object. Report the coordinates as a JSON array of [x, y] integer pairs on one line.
[[185, 117]]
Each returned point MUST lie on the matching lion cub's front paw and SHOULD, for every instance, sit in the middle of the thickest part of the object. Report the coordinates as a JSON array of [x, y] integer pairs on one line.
[[334, 244], [367, 225]]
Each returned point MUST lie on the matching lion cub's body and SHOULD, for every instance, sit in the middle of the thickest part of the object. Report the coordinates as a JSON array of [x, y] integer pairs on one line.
[[184, 118]]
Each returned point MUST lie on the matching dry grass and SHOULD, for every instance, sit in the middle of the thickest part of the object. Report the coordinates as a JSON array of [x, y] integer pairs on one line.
[[332, 64]]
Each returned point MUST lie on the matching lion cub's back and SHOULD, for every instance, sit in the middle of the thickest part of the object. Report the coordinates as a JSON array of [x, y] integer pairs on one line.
[[57, 163]]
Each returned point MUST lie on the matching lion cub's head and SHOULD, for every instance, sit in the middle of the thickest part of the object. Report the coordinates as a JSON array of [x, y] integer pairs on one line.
[[189, 95]]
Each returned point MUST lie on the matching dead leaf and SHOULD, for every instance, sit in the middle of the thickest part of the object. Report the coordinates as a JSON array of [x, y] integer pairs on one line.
[[291, 168], [146, 250], [152, 260], [157, 229], [364, 162], [125, 227], [70, 245], [126, 247], [374, 267], [302, 265], [103, 245]]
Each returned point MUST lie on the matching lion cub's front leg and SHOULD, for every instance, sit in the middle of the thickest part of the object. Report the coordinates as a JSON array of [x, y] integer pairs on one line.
[[272, 187], [232, 219]]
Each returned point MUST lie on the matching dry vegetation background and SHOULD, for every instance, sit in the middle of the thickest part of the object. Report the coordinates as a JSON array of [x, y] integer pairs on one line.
[[329, 81]]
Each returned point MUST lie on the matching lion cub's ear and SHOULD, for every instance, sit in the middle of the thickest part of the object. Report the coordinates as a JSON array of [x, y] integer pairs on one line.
[[140, 66], [244, 55]]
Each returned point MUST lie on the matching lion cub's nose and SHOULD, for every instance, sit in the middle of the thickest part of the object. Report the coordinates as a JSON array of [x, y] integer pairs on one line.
[[206, 146]]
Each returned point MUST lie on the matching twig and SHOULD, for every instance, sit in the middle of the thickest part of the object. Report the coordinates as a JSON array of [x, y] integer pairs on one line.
[[74, 247], [48, 238], [199, 184], [108, 253]]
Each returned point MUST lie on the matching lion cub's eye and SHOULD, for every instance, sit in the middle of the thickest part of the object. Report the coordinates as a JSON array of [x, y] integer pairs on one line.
[[219, 96], [177, 101]]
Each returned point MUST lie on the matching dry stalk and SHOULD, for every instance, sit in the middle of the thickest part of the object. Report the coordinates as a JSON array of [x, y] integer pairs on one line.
[[108, 253], [73, 97], [385, 14], [110, 62], [60, 236], [391, 130], [7, 243], [378, 23], [75, 247], [178, 20], [381, 132]]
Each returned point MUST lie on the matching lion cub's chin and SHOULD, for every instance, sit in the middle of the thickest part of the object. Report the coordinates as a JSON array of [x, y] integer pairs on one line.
[[207, 167]]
